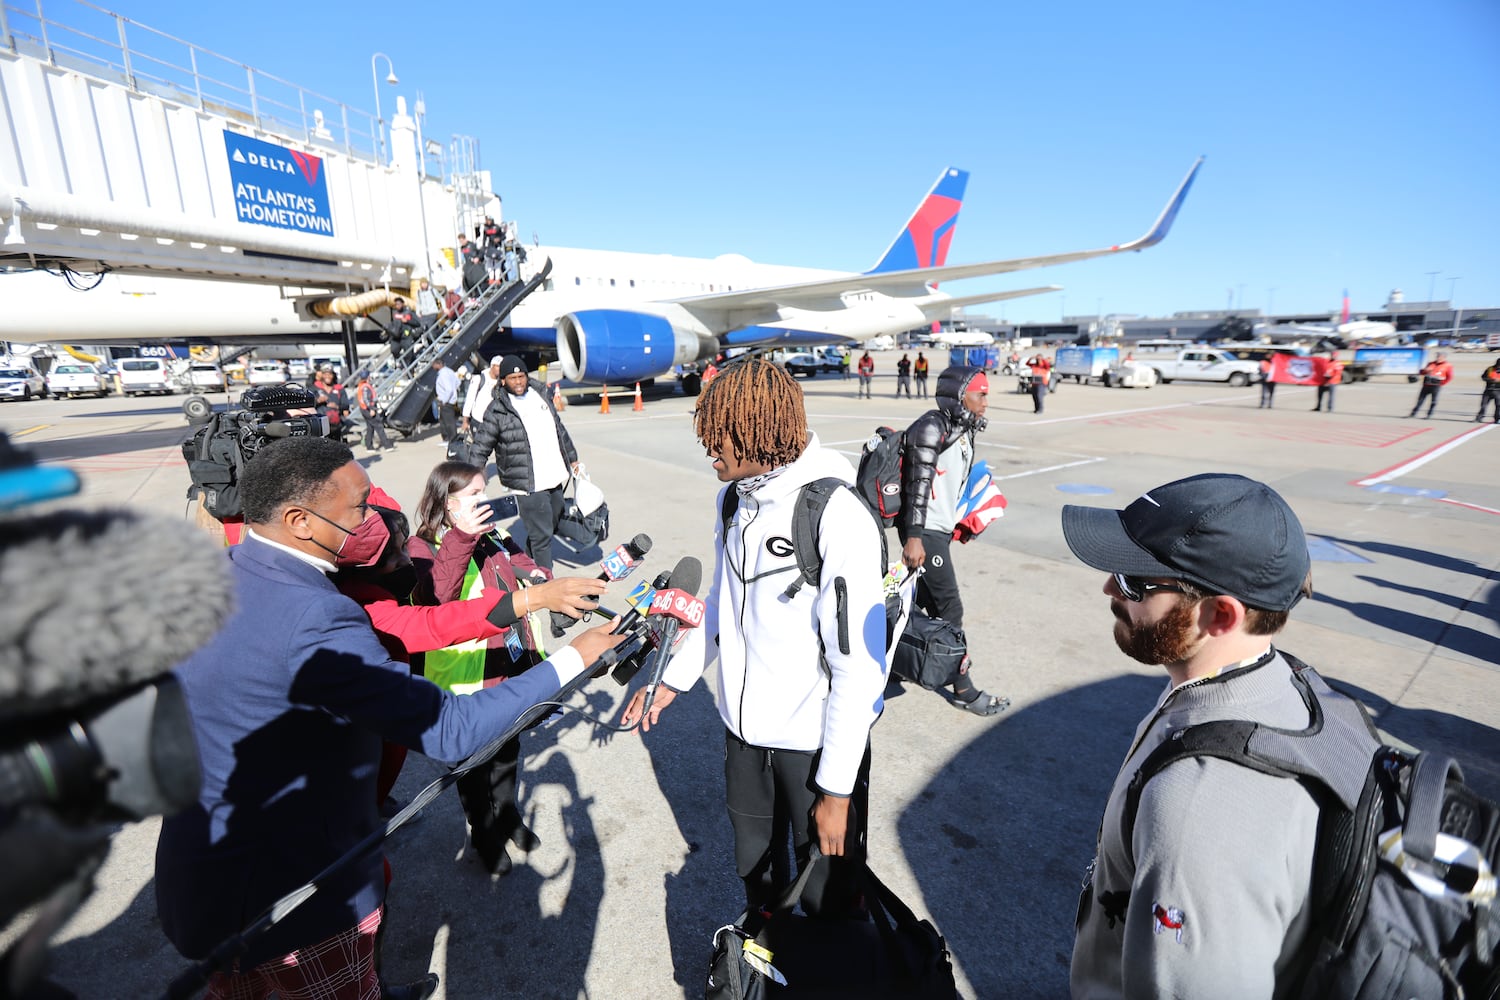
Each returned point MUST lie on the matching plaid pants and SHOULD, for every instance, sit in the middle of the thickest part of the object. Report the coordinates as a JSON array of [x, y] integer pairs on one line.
[[339, 968]]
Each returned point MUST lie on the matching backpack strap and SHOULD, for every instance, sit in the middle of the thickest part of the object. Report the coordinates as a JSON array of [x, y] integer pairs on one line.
[[807, 523], [1333, 752]]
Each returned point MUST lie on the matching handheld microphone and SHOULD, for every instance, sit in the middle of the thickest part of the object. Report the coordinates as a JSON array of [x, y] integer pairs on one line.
[[625, 558], [628, 620], [675, 608]]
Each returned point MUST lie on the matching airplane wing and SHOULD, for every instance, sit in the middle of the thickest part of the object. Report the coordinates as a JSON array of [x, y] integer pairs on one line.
[[914, 282]]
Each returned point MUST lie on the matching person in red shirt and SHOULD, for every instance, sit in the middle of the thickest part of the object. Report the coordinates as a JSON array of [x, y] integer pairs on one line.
[[1041, 374], [1267, 387], [1435, 374], [1332, 374], [866, 375]]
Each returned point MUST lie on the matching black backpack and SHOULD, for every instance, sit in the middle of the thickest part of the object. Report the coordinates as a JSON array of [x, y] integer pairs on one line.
[[878, 481], [1403, 892], [807, 520], [215, 464]]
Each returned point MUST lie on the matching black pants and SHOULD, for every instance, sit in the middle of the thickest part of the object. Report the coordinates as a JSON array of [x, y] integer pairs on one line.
[[903, 382], [1267, 394], [770, 794], [540, 512], [448, 420], [937, 588], [1491, 397], [1325, 390], [375, 426], [1429, 393], [1038, 394], [488, 795], [921, 386]]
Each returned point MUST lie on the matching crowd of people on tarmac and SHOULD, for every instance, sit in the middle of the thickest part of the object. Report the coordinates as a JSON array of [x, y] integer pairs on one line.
[[402, 632]]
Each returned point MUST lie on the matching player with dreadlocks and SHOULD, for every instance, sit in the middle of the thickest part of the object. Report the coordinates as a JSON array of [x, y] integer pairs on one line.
[[801, 664]]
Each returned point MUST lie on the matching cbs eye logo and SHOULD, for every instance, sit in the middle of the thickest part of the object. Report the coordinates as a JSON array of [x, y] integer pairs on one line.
[[779, 546]]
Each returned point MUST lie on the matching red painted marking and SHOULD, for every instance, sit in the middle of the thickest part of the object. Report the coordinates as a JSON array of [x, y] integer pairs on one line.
[[1470, 506], [1429, 451]]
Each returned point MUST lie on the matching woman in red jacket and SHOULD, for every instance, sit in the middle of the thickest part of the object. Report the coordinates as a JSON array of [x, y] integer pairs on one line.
[[458, 557]]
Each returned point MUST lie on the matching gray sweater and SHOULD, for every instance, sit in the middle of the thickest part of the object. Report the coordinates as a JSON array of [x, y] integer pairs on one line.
[[1209, 899]]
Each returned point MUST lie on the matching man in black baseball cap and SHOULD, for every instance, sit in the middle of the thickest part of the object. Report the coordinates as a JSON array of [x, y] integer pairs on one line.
[[1206, 893]]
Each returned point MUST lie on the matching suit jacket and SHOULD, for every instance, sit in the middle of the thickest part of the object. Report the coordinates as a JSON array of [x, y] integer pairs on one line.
[[289, 703]]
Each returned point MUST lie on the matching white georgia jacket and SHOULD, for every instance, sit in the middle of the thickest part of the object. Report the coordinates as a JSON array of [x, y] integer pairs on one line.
[[773, 688]]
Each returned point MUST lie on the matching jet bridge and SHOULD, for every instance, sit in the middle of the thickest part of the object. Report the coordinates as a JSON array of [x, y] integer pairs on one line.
[[124, 149]]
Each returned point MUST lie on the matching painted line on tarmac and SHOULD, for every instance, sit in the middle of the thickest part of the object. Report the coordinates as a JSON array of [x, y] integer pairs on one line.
[[30, 430], [1050, 468], [1470, 506], [1123, 413], [1412, 464]]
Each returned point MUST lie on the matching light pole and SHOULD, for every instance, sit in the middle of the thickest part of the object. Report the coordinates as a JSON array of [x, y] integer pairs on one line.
[[1431, 280], [1452, 283], [390, 77]]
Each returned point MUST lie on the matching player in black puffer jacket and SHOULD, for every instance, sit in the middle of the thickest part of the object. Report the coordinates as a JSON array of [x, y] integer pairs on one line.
[[517, 456]]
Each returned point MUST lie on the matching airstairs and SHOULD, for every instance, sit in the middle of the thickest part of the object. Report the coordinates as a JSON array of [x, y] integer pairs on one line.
[[405, 388]]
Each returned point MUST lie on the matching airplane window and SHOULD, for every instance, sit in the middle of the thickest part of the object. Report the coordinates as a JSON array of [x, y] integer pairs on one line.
[[632, 282], [611, 282], [577, 281]]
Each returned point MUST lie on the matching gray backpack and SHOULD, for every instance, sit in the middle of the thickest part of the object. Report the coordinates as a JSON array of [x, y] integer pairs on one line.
[[1404, 886]]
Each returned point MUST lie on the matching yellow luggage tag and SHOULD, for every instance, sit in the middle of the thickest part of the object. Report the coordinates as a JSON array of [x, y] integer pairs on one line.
[[758, 957]]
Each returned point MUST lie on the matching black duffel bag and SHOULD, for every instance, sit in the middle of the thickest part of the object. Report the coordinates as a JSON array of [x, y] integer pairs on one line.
[[929, 651], [784, 954]]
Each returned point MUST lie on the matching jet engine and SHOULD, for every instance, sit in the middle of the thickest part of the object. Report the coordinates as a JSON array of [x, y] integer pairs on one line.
[[619, 346]]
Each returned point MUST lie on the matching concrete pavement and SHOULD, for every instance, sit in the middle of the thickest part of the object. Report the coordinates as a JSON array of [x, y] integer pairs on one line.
[[984, 825]]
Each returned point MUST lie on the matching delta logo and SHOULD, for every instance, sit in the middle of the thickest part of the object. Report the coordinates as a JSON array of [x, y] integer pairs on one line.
[[307, 165]]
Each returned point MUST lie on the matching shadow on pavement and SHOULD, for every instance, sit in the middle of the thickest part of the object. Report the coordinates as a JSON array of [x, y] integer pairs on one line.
[[73, 449], [1443, 634], [1437, 560], [999, 839]]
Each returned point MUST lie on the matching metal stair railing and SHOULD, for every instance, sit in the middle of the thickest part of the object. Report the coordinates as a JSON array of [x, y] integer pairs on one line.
[[453, 342]]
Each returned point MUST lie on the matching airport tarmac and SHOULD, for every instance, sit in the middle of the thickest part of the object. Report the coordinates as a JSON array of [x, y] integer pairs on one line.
[[982, 825]]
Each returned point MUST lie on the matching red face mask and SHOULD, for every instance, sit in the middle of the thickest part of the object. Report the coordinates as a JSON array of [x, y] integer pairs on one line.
[[364, 545]]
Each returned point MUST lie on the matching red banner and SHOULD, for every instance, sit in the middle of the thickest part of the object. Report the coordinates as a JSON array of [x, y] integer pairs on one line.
[[1293, 369]]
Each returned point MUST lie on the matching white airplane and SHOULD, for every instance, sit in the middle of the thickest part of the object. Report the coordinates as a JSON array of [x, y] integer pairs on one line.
[[611, 317], [620, 317], [960, 338]]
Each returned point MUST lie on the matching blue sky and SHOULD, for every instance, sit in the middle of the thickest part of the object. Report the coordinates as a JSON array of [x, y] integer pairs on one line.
[[1349, 144]]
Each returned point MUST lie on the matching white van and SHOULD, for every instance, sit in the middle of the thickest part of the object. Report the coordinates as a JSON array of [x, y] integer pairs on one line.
[[141, 376]]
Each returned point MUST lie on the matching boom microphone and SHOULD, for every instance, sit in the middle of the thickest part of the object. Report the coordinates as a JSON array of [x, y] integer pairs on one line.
[[143, 591], [99, 606], [675, 608]]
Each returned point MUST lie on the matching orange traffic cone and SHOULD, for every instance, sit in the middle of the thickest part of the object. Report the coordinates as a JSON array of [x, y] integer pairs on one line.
[[604, 399], [559, 401], [639, 405]]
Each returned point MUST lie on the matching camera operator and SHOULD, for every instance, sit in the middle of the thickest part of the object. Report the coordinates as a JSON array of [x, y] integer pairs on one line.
[[289, 703], [93, 728]]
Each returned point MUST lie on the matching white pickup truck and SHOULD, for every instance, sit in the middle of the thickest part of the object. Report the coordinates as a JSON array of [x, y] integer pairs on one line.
[[76, 378], [1204, 364]]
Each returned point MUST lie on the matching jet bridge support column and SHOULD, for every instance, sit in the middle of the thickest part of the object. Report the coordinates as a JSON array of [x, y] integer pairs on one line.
[[351, 349]]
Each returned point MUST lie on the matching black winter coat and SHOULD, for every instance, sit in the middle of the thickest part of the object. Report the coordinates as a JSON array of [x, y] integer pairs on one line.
[[503, 431], [929, 436]]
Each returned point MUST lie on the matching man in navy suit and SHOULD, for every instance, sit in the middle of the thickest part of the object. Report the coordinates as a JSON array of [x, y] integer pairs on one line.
[[289, 704]]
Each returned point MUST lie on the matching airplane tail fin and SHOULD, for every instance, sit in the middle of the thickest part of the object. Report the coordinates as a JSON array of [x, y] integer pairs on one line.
[[923, 241]]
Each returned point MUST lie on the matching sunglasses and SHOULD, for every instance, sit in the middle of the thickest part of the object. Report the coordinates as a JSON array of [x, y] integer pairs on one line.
[[1134, 589]]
